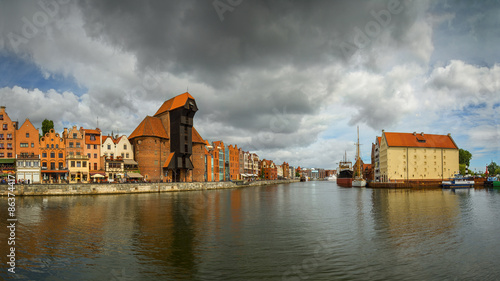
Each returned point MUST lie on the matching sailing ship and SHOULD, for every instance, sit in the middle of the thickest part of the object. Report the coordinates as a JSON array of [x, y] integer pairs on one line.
[[345, 172], [358, 180]]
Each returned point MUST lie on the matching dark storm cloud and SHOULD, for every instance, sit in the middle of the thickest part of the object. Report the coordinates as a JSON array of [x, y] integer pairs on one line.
[[189, 37]]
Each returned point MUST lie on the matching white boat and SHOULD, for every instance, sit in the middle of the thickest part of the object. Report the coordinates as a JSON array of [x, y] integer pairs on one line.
[[358, 180], [458, 181], [331, 178]]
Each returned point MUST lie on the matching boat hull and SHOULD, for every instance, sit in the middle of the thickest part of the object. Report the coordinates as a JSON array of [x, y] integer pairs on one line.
[[344, 182], [358, 183]]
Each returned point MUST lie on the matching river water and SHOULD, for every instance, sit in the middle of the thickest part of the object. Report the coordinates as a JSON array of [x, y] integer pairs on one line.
[[298, 231]]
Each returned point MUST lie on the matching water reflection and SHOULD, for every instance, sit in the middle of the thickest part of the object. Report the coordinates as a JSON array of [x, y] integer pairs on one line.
[[313, 230]]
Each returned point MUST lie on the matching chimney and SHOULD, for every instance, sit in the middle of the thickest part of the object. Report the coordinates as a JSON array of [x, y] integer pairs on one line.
[[422, 134], [414, 133]]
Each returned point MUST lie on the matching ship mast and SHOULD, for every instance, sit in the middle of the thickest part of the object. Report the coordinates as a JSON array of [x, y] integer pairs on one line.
[[358, 166]]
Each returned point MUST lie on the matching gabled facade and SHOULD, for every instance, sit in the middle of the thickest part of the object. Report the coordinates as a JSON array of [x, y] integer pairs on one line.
[[269, 170], [7, 144], [234, 162], [53, 158], [28, 153], [417, 156], [77, 160], [92, 148]]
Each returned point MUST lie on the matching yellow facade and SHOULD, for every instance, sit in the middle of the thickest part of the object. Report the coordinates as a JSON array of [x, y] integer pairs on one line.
[[416, 163]]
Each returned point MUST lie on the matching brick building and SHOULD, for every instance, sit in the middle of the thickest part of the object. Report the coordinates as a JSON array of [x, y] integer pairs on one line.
[[269, 170], [7, 144], [166, 146]]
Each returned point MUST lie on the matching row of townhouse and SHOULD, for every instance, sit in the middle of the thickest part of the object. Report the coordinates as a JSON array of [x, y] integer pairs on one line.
[[228, 162], [73, 156], [164, 147]]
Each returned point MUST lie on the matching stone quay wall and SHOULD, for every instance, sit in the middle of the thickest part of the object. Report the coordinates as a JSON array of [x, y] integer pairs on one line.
[[123, 188]]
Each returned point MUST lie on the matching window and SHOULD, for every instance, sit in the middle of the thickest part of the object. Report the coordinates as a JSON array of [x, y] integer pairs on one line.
[[71, 153], [20, 163], [1, 154], [52, 146], [35, 164], [95, 146], [52, 155], [9, 136], [52, 165], [1, 146], [48, 146], [1, 136], [88, 155], [32, 144], [24, 144], [124, 146], [95, 155], [44, 154], [78, 164], [95, 166], [9, 155], [44, 164], [9, 146], [60, 155], [78, 153], [1, 116], [5, 126], [61, 166], [75, 135], [72, 163], [109, 147], [84, 164], [78, 144], [92, 137], [127, 155], [57, 146], [27, 135], [70, 145], [88, 146], [123, 155]]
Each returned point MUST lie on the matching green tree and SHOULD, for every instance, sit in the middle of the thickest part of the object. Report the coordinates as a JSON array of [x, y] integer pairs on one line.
[[464, 157], [46, 126], [462, 169], [493, 168]]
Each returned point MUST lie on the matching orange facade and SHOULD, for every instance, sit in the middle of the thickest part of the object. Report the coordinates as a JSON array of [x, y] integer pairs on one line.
[[53, 157], [92, 148], [27, 140], [234, 162]]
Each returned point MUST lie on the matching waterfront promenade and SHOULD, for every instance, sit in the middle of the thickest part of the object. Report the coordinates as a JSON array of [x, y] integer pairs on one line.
[[124, 188]]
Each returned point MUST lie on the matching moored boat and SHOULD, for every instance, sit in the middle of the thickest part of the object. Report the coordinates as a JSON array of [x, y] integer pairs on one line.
[[492, 182], [358, 180], [345, 172], [458, 181]]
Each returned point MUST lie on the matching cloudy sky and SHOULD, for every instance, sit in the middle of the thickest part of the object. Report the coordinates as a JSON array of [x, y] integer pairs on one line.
[[289, 80]]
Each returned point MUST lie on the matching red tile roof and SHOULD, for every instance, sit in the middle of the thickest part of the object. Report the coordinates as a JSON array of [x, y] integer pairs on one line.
[[150, 126], [174, 103], [196, 138], [379, 139], [169, 159], [419, 140]]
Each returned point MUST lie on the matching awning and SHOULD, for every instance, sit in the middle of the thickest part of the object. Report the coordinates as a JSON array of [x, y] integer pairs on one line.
[[7, 161], [97, 176], [129, 162], [134, 175]]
